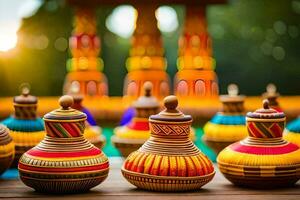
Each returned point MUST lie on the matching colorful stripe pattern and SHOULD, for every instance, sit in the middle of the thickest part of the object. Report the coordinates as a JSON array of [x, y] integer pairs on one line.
[[74, 165], [25, 111], [224, 133], [140, 124], [294, 126], [254, 146], [64, 129], [292, 132], [26, 133], [250, 165], [24, 125], [265, 129], [263, 159], [234, 106], [170, 129], [228, 126], [163, 165], [7, 149], [171, 184], [220, 118], [168, 160]]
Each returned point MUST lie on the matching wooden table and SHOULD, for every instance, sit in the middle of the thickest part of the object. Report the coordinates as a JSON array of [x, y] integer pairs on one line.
[[116, 187]]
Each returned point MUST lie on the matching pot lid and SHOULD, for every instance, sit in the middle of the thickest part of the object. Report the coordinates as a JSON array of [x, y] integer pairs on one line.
[[147, 100], [266, 113], [25, 97], [271, 91], [233, 95], [65, 112], [170, 113]]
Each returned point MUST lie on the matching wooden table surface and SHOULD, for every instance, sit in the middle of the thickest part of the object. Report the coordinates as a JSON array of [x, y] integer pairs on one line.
[[116, 187]]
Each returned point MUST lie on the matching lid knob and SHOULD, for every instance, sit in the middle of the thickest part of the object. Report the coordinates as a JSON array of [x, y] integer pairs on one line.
[[66, 101], [171, 103], [25, 89], [266, 104], [148, 88], [271, 88], [233, 89]]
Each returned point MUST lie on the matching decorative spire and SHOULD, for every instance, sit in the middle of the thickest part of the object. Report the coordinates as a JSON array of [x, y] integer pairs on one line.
[[84, 68], [147, 52], [195, 76], [195, 45], [146, 60]]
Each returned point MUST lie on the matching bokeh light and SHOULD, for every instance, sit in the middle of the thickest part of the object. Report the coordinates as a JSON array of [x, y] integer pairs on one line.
[[278, 53], [8, 37], [293, 31], [61, 44], [216, 30], [122, 21], [41, 42], [11, 15], [271, 36], [296, 6], [167, 19], [266, 48], [280, 27]]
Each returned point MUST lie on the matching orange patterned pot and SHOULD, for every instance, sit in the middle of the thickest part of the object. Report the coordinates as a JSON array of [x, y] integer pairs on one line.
[[168, 160]]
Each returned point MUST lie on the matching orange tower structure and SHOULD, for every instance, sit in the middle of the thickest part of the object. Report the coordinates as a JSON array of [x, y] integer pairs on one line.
[[195, 76], [146, 60], [84, 68]]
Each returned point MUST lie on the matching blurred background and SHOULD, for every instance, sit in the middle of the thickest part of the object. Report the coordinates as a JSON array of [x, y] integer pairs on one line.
[[255, 42]]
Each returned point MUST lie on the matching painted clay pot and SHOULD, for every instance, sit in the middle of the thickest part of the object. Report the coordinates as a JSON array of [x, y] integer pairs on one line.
[[227, 126], [168, 161], [7, 149], [26, 129], [263, 159], [272, 95], [64, 162], [292, 131], [92, 132], [133, 135]]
